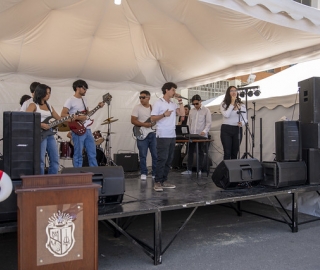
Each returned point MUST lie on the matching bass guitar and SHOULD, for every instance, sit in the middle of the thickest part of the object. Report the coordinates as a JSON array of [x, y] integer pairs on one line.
[[142, 132], [52, 122], [80, 127]]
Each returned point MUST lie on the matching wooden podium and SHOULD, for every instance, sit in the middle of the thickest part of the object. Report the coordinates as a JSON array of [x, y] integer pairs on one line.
[[57, 222]]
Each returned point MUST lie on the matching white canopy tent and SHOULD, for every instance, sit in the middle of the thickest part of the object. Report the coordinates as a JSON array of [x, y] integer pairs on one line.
[[143, 43]]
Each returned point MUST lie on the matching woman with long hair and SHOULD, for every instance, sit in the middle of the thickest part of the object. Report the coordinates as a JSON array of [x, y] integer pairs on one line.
[[234, 115], [48, 144]]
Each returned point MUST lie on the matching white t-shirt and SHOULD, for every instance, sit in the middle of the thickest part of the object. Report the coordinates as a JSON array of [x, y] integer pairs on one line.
[[26, 104], [166, 126], [141, 112], [74, 104]]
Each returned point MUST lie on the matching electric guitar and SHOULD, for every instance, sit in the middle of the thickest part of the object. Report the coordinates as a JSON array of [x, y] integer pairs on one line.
[[80, 127], [52, 122], [142, 132]]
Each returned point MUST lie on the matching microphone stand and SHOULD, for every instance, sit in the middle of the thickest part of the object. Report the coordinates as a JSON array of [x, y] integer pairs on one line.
[[253, 118]]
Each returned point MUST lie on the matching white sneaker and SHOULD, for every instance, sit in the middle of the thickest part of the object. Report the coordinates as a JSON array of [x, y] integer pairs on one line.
[[143, 177], [199, 172], [186, 172], [153, 177]]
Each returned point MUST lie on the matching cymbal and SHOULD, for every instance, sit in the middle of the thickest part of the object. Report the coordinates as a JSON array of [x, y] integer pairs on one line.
[[105, 122], [63, 127], [108, 132], [108, 118]]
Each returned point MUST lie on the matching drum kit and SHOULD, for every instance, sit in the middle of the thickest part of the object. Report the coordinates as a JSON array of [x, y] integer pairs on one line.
[[103, 155]]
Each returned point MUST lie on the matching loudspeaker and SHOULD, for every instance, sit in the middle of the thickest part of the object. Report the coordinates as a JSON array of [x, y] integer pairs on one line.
[[310, 135], [283, 174], [287, 141], [111, 179], [21, 143], [128, 161], [312, 160], [309, 100], [231, 173]]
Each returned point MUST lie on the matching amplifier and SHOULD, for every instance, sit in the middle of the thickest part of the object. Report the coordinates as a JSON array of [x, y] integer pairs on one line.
[[128, 161], [283, 174]]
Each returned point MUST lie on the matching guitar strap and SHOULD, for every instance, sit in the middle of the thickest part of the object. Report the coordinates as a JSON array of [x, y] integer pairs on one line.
[[84, 105], [49, 108]]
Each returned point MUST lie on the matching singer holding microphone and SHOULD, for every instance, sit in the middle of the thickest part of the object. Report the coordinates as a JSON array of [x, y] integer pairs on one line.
[[234, 115]]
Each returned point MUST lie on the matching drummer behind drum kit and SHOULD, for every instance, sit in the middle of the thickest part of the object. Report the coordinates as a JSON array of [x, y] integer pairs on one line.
[[103, 154]]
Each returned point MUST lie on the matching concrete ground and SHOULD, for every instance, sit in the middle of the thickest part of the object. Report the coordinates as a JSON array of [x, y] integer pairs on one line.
[[215, 238]]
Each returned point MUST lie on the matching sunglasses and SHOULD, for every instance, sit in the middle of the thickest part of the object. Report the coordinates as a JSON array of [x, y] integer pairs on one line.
[[143, 97], [194, 104]]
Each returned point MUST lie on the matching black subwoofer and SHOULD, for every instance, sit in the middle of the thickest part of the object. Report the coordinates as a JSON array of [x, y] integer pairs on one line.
[[283, 174], [21, 143], [312, 158], [231, 173]]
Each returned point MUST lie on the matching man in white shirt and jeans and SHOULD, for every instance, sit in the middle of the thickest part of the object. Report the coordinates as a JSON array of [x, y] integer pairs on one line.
[[140, 117], [164, 113], [199, 122]]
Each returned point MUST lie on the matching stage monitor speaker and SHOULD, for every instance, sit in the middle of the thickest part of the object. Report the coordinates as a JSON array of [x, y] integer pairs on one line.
[[129, 161], [312, 159], [21, 143], [287, 141], [111, 179], [310, 135], [309, 100], [235, 173], [284, 174]]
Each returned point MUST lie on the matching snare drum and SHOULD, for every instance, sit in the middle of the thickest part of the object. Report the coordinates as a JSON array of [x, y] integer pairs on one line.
[[66, 150], [98, 137]]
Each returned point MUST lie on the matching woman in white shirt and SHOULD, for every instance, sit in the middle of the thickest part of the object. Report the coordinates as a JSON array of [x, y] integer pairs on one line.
[[48, 144], [234, 117]]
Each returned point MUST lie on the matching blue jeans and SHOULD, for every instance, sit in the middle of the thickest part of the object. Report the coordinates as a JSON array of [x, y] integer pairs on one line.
[[149, 142], [49, 145], [87, 141], [165, 151]]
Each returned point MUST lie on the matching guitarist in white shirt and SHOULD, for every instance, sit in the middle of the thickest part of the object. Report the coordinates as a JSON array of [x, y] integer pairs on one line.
[[140, 117], [41, 96], [74, 104]]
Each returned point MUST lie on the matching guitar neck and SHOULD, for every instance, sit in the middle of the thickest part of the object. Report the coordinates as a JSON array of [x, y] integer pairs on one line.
[[93, 111], [57, 122]]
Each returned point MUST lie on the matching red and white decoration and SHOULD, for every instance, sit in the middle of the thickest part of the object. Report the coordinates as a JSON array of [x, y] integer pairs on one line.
[[5, 186]]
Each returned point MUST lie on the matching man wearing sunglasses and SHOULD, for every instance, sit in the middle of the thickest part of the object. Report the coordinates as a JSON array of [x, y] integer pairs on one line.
[[199, 122], [140, 117], [164, 113]]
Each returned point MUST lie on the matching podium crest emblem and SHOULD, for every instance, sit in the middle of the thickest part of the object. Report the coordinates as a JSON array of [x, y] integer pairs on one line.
[[60, 234]]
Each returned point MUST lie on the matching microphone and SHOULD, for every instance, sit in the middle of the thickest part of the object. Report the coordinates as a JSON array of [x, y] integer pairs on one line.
[[179, 96], [253, 102]]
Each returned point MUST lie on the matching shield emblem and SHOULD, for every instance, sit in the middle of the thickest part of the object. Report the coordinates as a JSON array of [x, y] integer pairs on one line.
[[60, 235]]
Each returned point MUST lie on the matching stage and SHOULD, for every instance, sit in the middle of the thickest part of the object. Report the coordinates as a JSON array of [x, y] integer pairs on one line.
[[199, 226], [191, 193]]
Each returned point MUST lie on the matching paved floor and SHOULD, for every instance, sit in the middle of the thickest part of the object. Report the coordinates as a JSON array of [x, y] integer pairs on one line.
[[215, 238]]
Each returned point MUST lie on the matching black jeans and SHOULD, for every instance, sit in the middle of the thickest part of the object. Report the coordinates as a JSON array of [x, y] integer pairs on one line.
[[230, 140], [165, 151], [192, 149]]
